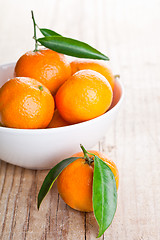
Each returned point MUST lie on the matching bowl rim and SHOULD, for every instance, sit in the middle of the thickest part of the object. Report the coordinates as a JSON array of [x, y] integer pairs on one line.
[[64, 128]]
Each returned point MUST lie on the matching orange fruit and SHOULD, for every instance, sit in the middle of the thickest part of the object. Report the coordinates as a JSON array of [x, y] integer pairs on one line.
[[25, 103], [85, 95], [76, 180], [46, 66], [57, 121], [96, 65]]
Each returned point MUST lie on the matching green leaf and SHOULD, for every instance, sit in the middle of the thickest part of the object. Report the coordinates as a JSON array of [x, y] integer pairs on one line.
[[104, 195], [47, 32], [71, 47], [52, 176]]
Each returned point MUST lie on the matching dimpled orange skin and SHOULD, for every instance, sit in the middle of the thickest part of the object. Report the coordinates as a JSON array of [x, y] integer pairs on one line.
[[25, 103], [96, 65], [46, 66], [57, 121], [85, 95], [76, 180]]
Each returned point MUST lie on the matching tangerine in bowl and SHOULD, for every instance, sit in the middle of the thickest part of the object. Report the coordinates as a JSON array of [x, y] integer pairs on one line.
[[43, 148]]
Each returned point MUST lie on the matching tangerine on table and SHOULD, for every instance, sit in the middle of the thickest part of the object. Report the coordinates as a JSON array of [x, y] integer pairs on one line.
[[96, 65], [85, 95], [57, 121], [76, 180], [47, 66], [25, 103]]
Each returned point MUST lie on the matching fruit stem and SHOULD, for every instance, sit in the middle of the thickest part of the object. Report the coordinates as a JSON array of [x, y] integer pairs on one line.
[[117, 76], [40, 88], [87, 158], [34, 37]]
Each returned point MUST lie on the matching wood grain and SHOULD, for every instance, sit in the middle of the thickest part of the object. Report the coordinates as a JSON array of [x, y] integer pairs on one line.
[[128, 32]]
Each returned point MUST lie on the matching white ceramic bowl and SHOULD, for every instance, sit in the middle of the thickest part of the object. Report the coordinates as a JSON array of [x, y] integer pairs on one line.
[[43, 148]]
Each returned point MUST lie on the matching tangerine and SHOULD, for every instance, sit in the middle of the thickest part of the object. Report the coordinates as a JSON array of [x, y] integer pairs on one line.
[[76, 180], [25, 103], [57, 121], [46, 66], [85, 95], [96, 65]]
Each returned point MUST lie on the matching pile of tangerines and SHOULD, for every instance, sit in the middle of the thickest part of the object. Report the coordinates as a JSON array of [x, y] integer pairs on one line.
[[49, 91]]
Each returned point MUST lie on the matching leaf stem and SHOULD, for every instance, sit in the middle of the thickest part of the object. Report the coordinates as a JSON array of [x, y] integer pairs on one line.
[[35, 37], [87, 158]]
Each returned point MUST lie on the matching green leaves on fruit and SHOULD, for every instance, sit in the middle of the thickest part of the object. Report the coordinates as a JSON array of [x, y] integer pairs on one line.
[[71, 47], [47, 32], [104, 195], [64, 45], [51, 178]]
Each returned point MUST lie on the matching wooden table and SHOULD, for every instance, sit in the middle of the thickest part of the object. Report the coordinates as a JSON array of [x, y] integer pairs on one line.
[[128, 32]]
